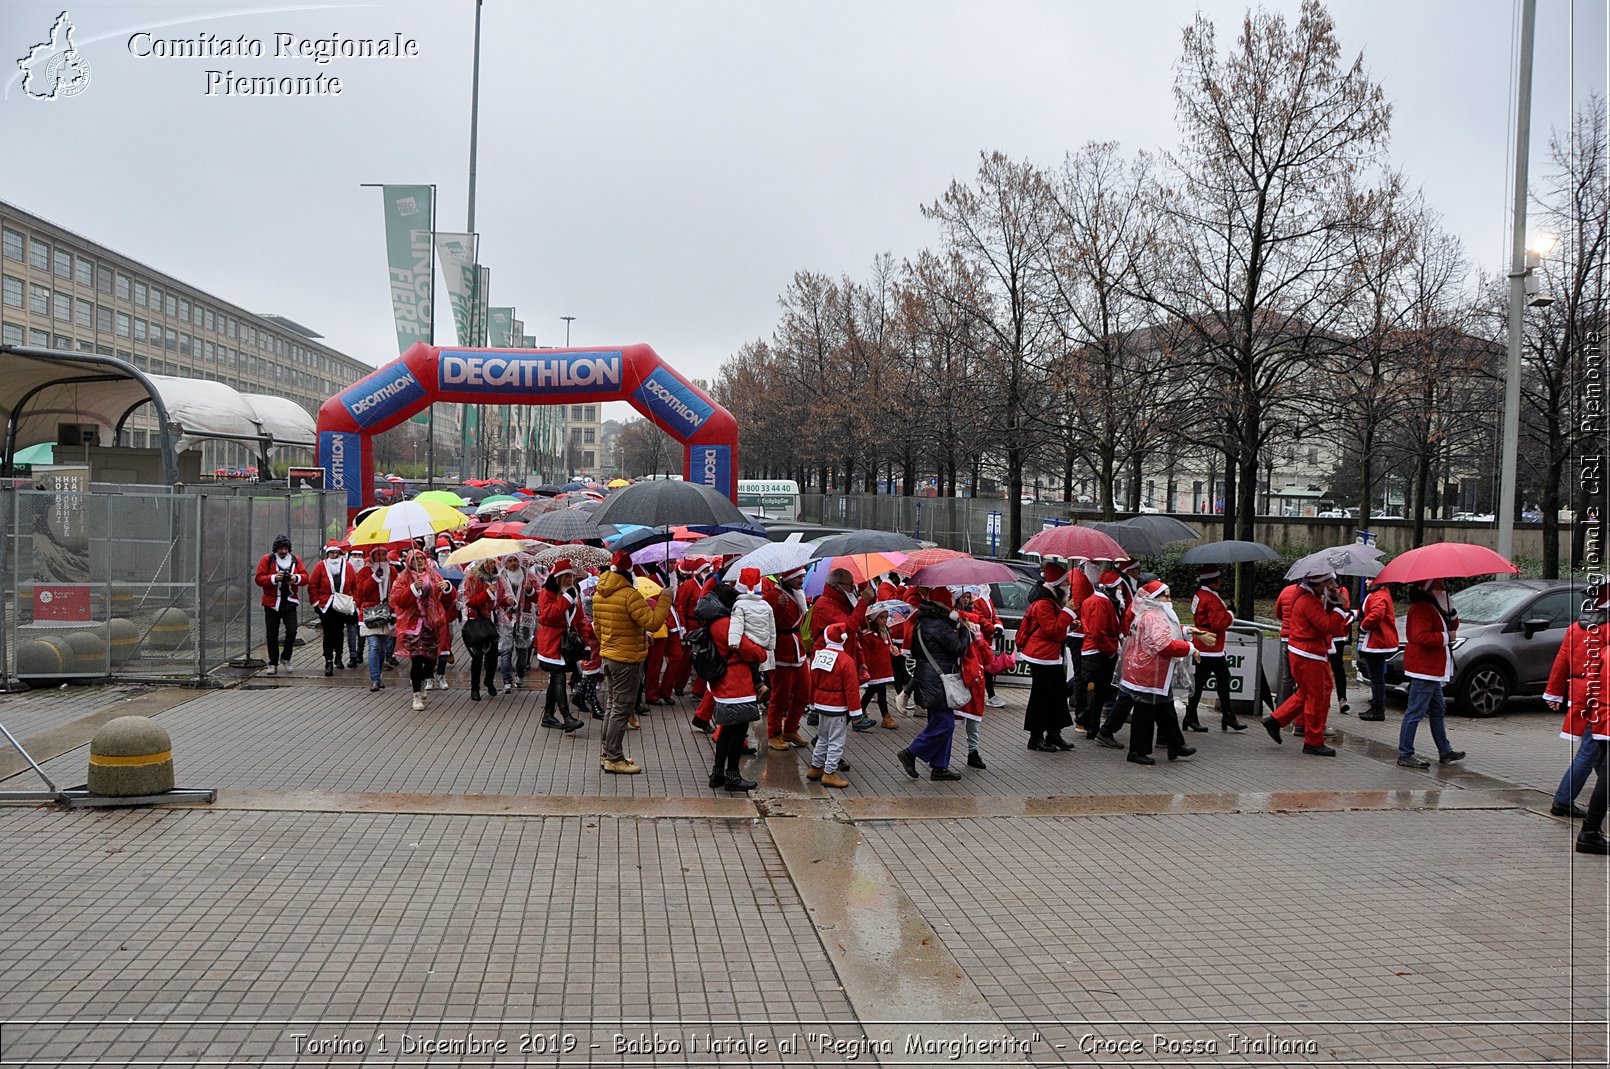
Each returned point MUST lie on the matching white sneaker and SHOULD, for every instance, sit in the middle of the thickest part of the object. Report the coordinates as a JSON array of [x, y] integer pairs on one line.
[[995, 703], [429, 682], [285, 668], [419, 701], [902, 703], [441, 682], [519, 681]]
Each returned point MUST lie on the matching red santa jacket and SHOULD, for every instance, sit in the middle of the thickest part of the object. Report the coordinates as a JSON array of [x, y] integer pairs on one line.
[[372, 589], [1310, 625], [737, 685], [1079, 589], [557, 612], [835, 682], [412, 608], [971, 666], [1378, 630], [683, 601], [1346, 600], [1211, 615], [1044, 630], [1283, 603], [983, 614], [267, 579], [876, 664], [1583, 649], [786, 611], [479, 598], [320, 588], [1101, 624], [1429, 654], [831, 607]]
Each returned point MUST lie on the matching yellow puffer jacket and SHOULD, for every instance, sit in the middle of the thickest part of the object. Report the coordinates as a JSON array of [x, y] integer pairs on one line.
[[624, 620]]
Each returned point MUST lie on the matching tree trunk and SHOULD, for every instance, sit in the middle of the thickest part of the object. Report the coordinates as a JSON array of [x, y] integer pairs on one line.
[[1227, 522], [1108, 506], [1014, 489], [1422, 475], [1135, 460], [1067, 475], [1365, 477], [1246, 521], [1551, 516]]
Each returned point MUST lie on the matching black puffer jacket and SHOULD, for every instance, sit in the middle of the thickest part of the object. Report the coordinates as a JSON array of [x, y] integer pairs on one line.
[[942, 639]]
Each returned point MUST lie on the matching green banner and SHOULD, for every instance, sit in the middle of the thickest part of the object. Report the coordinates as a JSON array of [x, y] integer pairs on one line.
[[457, 253], [500, 328], [408, 254]]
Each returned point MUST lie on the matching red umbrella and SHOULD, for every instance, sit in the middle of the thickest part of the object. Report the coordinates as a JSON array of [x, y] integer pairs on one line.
[[681, 534], [921, 558], [505, 529], [963, 572], [1070, 543], [1443, 560]]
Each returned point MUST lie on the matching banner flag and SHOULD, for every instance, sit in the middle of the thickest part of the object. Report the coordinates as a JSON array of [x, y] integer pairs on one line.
[[408, 231], [457, 253]]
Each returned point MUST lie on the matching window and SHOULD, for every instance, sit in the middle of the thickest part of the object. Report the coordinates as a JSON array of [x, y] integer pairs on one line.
[[171, 340], [184, 345], [139, 330], [85, 275], [39, 300], [231, 323], [156, 300], [139, 294], [63, 263], [172, 306], [122, 324], [102, 350], [121, 355], [11, 333], [587, 459], [103, 319], [122, 288], [209, 320], [103, 280], [587, 436], [62, 305], [13, 251], [39, 339], [38, 255], [1313, 455], [184, 310], [575, 412], [139, 362], [12, 290], [195, 315], [85, 316], [1557, 607], [592, 413]]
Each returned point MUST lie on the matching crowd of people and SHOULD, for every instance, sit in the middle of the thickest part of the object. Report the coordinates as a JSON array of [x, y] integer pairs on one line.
[[1102, 641]]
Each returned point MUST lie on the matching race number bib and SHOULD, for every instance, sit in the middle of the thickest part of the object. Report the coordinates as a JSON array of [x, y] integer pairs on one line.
[[825, 660]]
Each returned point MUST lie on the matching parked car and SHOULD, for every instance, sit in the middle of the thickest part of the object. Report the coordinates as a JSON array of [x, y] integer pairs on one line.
[[1509, 632]]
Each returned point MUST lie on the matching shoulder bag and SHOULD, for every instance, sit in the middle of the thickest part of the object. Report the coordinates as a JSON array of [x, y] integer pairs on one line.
[[957, 693]]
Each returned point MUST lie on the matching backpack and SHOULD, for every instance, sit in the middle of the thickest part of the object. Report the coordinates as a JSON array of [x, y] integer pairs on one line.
[[709, 609], [708, 662]]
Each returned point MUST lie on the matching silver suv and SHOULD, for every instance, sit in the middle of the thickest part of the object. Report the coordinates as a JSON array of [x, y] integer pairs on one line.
[[1509, 632]]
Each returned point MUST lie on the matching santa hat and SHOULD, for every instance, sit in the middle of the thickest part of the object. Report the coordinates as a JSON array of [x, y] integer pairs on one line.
[[791, 573], [941, 595], [332, 546], [1053, 572], [621, 561], [1156, 590], [1110, 578], [1208, 573], [1128, 565], [562, 566], [380, 551], [688, 565], [443, 542], [834, 636], [749, 580], [1322, 575]]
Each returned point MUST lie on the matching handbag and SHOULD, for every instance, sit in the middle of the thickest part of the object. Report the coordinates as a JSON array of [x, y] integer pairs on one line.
[[378, 616], [479, 631], [572, 647], [957, 692], [729, 714], [343, 604]]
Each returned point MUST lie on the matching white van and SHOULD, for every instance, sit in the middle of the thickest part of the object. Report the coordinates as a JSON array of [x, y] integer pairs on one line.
[[774, 499]]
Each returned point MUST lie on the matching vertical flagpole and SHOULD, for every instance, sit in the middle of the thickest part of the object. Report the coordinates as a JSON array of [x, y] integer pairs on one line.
[[430, 423], [1517, 289], [475, 104]]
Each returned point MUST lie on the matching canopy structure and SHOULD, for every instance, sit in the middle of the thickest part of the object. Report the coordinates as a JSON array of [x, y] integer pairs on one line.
[[41, 389]]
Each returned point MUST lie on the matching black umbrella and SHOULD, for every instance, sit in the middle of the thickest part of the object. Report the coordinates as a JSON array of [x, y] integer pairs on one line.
[[549, 490], [1138, 542], [1229, 551], [562, 525], [864, 541], [662, 502], [474, 493], [632, 541], [1166, 528], [722, 545]]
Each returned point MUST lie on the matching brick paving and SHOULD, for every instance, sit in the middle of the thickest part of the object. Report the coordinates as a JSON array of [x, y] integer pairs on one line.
[[1373, 923], [30, 712]]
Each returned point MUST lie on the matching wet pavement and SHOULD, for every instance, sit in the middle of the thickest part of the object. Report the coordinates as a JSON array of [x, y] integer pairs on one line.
[[381, 887]]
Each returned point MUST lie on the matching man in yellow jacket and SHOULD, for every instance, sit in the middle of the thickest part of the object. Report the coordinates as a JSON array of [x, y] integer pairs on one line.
[[624, 621]]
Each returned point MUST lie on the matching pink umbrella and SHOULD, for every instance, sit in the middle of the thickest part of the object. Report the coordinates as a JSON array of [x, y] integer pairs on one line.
[[1443, 560], [661, 552], [962, 571], [1075, 543]]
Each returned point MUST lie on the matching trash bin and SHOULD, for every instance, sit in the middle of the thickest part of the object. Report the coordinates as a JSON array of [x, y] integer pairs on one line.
[[1248, 651]]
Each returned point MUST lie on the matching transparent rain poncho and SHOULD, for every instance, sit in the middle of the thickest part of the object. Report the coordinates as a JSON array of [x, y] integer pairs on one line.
[[1154, 628]]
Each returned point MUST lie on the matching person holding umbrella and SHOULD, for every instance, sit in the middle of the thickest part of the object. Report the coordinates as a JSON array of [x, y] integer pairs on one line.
[[838, 603], [559, 616], [1104, 629], [1428, 665], [1212, 620], [480, 628], [374, 589], [786, 707], [1377, 642], [517, 620], [1040, 640], [1314, 619]]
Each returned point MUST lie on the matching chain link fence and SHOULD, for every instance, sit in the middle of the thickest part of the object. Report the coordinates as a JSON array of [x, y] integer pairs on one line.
[[973, 525], [148, 586]]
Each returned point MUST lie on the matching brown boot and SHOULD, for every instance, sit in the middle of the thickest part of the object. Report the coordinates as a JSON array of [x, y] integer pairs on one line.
[[632, 722], [888, 722], [833, 779], [794, 738], [814, 773], [777, 742]]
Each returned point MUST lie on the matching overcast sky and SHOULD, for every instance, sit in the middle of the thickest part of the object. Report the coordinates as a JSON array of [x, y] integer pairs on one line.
[[659, 170]]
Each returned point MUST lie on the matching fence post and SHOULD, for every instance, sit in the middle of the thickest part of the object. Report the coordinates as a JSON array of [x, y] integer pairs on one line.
[[201, 589]]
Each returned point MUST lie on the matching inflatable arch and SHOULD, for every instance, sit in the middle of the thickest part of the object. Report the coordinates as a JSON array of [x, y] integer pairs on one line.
[[425, 375]]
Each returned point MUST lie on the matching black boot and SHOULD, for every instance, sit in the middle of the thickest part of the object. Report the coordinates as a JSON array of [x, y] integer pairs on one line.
[[1592, 842], [975, 761], [735, 783], [1191, 723], [1036, 744], [329, 667], [1055, 741], [717, 778], [1175, 753], [1230, 723]]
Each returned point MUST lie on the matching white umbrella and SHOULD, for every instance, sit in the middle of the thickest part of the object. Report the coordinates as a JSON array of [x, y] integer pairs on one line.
[[773, 558]]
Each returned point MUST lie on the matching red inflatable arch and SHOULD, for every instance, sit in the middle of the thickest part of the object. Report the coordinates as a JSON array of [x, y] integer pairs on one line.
[[426, 374]]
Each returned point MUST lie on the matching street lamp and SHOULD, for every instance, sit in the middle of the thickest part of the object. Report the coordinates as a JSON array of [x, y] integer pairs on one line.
[[568, 320]]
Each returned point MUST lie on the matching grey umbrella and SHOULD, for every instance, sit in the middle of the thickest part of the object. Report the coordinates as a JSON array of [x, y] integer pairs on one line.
[[722, 545], [1229, 551], [864, 541], [659, 502], [1354, 559], [1138, 541], [1166, 528], [562, 525]]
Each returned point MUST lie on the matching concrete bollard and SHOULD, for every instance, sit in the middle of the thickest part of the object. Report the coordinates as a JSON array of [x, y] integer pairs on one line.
[[130, 756], [170, 629], [124, 640], [45, 660]]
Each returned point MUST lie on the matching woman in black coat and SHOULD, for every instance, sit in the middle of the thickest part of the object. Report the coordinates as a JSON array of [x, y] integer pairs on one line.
[[938, 641]]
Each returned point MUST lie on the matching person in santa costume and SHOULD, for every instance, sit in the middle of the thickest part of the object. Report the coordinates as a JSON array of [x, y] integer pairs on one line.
[[734, 696], [789, 686], [1079, 588], [332, 576], [1377, 642], [840, 602], [1428, 665], [1146, 673], [559, 612], [940, 639], [1212, 620], [979, 653], [688, 577], [1104, 627], [752, 618], [1041, 638], [1314, 618], [835, 691], [1584, 658], [877, 669], [976, 607]]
